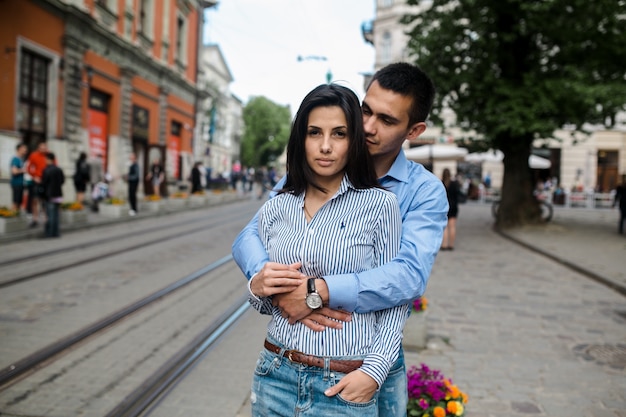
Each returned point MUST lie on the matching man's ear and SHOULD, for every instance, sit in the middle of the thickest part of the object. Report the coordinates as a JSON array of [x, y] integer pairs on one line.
[[416, 130]]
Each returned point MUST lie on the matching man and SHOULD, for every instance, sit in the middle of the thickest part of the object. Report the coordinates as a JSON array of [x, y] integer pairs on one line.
[[36, 163], [52, 182], [133, 184], [395, 108], [17, 175]]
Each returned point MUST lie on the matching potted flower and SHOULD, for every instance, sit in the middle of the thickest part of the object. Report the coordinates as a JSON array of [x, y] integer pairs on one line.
[[10, 221], [73, 213], [152, 203], [415, 329], [433, 395]]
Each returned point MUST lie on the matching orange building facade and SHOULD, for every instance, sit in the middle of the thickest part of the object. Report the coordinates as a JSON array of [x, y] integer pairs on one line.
[[104, 77]]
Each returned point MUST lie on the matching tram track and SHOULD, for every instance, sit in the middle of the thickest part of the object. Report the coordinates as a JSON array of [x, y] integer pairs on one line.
[[146, 397], [231, 217], [34, 361]]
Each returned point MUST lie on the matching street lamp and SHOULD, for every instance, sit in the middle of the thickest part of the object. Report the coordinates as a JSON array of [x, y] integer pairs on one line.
[[329, 75]]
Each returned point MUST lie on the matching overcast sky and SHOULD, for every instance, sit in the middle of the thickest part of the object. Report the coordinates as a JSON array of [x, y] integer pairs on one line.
[[262, 39]]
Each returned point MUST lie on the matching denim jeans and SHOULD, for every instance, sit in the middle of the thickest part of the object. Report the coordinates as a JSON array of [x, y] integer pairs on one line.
[[283, 388], [394, 396], [52, 223]]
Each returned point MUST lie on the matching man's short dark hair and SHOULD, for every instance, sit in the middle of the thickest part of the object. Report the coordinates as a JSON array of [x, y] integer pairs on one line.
[[410, 81], [50, 156]]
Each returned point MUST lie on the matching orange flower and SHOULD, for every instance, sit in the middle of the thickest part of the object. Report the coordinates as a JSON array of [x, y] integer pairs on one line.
[[465, 397], [454, 391], [439, 412], [455, 408]]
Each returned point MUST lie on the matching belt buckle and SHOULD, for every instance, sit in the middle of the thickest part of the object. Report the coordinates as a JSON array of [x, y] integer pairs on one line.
[[289, 355]]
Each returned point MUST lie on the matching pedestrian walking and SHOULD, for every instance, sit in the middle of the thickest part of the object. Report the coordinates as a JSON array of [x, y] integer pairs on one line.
[[17, 176], [156, 176], [331, 180], [396, 105], [36, 163], [452, 193], [52, 183], [196, 178], [133, 183], [81, 177]]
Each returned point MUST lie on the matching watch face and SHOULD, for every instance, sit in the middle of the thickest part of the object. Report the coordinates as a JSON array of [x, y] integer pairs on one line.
[[313, 301]]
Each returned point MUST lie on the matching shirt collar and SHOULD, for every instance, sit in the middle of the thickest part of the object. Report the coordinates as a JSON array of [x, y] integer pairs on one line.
[[399, 169]]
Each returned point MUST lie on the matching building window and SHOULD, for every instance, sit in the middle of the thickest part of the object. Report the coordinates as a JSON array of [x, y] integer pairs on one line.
[[181, 41], [385, 49], [33, 98]]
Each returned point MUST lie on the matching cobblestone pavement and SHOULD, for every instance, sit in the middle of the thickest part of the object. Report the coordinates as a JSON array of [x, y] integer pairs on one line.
[[525, 335]]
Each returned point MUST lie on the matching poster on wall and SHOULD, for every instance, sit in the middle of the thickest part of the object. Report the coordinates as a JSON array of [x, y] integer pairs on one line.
[[98, 122]]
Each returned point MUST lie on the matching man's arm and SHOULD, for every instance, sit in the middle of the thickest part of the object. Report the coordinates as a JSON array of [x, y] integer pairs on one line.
[[248, 250], [405, 277], [397, 282]]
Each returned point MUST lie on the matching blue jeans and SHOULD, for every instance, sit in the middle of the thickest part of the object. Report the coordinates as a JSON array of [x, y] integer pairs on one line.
[[394, 396], [52, 223], [283, 388]]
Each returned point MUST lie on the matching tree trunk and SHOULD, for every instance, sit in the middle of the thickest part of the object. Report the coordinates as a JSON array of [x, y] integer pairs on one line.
[[518, 205]]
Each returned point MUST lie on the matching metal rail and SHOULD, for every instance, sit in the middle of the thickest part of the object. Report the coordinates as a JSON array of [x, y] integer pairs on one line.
[[147, 396], [15, 370]]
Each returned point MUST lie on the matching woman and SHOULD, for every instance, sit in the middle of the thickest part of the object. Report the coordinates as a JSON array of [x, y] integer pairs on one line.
[[156, 177], [452, 190], [330, 217], [81, 177]]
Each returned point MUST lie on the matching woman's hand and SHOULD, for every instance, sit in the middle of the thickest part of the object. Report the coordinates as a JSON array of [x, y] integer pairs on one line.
[[357, 387], [275, 278]]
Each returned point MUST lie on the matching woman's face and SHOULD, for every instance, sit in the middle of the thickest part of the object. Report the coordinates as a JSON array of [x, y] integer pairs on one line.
[[327, 143]]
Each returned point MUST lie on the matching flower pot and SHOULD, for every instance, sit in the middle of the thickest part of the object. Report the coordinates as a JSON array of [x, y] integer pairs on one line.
[[152, 206], [174, 204], [198, 200], [113, 210], [12, 224], [415, 331], [73, 216]]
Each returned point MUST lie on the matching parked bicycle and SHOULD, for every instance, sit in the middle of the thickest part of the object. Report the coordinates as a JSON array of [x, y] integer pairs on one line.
[[544, 205]]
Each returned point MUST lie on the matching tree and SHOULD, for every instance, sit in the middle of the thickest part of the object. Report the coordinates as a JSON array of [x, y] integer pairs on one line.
[[267, 126], [517, 70]]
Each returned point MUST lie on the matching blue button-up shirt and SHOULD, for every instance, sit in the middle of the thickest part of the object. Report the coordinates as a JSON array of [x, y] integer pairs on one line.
[[424, 211]]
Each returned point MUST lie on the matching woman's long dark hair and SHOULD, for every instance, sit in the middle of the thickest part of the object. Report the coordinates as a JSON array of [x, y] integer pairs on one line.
[[360, 168]]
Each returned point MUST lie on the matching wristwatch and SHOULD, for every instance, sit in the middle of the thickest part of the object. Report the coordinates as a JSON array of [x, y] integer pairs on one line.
[[313, 299]]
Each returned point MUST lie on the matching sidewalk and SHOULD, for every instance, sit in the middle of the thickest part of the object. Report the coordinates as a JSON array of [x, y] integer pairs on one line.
[[523, 335], [95, 219]]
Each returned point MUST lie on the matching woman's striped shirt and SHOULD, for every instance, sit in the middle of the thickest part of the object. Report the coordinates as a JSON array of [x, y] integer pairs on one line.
[[356, 230]]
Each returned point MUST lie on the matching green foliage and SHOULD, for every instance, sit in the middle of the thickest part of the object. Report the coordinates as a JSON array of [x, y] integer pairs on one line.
[[266, 133], [517, 70]]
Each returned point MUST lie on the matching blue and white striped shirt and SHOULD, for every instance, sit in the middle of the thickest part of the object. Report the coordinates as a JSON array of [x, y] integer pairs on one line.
[[356, 230]]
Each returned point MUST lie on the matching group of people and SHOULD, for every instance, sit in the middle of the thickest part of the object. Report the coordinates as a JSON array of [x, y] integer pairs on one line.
[[346, 241], [40, 180]]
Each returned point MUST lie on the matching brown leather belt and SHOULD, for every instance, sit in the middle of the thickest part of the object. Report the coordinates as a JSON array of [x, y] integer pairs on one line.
[[343, 366]]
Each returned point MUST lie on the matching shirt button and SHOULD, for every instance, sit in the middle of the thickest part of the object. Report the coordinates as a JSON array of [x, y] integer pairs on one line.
[[311, 231]]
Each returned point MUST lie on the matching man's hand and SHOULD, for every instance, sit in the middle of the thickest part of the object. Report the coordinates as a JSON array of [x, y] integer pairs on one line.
[[357, 387], [294, 308], [275, 278], [322, 318]]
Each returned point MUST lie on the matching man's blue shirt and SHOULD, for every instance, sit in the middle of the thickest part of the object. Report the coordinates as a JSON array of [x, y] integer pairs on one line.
[[424, 211]]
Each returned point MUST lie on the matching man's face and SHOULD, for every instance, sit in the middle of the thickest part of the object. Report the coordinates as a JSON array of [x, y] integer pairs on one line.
[[22, 150], [386, 121], [43, 147]]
